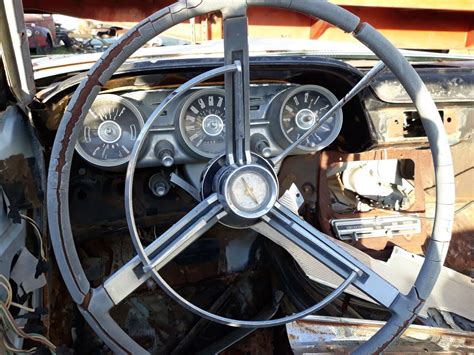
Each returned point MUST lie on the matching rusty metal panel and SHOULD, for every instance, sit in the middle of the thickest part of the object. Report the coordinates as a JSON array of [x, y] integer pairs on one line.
[[341, 335], [421, 159]]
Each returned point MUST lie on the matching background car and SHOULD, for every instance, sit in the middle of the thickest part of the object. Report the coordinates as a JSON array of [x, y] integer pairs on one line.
[[41, 32]]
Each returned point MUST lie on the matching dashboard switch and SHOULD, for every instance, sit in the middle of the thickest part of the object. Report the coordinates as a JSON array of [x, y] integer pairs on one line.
[[159, 185], [261, 146], [164, 151]]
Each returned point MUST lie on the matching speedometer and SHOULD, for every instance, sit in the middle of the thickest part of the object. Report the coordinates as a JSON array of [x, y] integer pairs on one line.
[[109, 132], [202, 122], [301, 109]]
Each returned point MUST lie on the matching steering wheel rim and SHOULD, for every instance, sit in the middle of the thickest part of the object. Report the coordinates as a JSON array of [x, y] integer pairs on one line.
[[93, 302]]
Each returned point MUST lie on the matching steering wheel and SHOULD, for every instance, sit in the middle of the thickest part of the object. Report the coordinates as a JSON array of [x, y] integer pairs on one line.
[[240, 189]]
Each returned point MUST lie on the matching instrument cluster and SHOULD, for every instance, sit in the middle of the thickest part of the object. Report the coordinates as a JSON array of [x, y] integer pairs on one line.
[[193, 129]]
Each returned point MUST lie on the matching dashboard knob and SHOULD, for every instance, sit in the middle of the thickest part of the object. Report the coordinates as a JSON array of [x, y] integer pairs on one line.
[[260, 145], [164, 151], [159, 185]]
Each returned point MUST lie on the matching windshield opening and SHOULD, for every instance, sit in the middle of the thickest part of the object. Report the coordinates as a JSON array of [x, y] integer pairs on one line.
[[271, 30]]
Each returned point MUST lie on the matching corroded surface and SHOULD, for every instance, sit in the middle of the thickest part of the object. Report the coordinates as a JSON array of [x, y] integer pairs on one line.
[[340, 335]]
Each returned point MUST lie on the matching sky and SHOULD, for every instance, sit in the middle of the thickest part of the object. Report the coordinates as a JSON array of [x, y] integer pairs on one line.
[[68, 22]]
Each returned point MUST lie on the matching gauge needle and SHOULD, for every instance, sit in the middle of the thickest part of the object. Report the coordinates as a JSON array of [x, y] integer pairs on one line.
[[249, 191]]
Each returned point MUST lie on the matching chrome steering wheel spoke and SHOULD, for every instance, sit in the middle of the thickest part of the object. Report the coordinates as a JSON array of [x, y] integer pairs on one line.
[[184, 232], [237, 89], [162, 250], [97, 306], [297, 236]]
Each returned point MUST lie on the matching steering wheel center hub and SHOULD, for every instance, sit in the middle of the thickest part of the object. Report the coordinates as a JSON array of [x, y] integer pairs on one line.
[[249, 191], [246, 192]]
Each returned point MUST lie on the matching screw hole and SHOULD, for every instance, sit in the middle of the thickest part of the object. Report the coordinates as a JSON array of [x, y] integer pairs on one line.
[[449, 119]]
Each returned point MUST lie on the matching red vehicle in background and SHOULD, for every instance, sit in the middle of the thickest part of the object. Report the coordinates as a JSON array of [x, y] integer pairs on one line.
[[41, 32]]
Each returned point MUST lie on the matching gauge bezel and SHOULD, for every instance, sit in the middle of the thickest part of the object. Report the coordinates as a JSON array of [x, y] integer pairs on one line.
[[111, 163], [187, 103], [338, 115]]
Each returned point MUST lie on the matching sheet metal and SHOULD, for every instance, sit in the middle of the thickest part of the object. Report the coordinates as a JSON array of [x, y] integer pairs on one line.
[[341, 335]]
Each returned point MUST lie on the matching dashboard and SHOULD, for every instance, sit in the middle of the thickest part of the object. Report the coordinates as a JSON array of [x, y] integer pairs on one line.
[[193, 128], [287, 95]]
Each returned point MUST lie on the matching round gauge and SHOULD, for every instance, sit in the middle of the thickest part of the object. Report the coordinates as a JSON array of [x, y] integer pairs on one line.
[[110, 130], [202, 122], [302, 108]]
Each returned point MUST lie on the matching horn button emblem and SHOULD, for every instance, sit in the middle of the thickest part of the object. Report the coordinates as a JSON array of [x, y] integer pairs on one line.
[[249, 191]]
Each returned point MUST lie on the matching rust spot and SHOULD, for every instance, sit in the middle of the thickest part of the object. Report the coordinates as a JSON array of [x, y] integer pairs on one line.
[[399, 332], [359, 28], [17, 177], [87, 300]]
